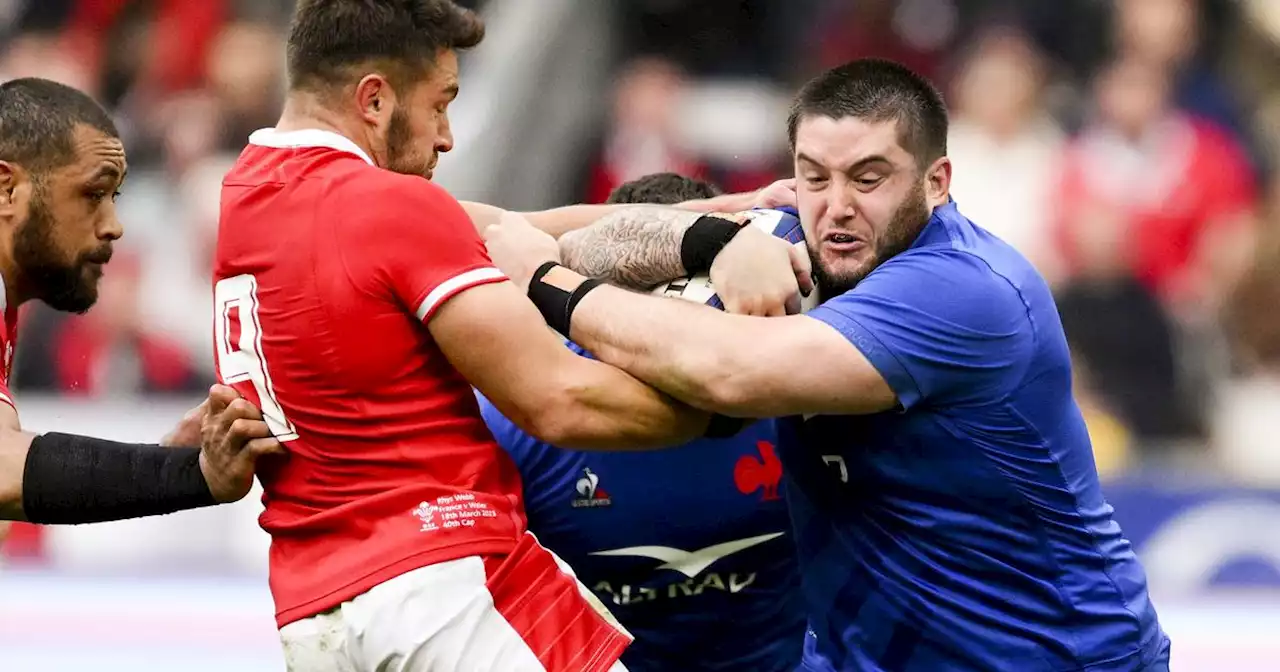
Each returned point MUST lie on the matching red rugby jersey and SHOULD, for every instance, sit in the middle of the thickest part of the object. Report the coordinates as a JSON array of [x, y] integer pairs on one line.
[[327, 270]]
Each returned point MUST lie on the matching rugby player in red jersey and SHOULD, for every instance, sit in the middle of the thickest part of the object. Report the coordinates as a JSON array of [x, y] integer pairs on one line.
[[356, 306]]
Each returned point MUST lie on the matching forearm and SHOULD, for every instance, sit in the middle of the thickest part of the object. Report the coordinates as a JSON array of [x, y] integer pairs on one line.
[[602, 408], [691, 352], [556, 221], [637, 247], [721, 203], [559, 222], [67, 479]]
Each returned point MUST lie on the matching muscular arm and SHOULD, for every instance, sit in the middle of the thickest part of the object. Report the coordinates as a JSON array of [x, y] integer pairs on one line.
[[632, 246], [636, 247], [730, 364], [557, 221], [498, 341]]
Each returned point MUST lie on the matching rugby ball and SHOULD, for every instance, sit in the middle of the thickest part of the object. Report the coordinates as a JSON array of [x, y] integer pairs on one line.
[[698, 287]]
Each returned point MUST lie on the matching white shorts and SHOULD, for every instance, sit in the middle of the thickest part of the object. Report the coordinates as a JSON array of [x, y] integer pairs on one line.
[[525, 612]]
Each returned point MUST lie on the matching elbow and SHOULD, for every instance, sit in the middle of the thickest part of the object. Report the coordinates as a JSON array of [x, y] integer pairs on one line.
[[561, 415], [553, 422], [582, 413]]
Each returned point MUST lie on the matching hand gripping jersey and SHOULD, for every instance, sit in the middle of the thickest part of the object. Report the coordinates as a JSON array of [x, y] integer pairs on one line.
[[966, 530], [689, 547]]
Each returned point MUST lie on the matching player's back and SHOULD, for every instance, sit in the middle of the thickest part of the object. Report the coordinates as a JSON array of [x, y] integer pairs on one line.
[[689, 547], [390, 465], [967, 531]]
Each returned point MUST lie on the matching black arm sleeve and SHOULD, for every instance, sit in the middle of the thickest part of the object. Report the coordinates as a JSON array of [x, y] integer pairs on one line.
[[78, 479]]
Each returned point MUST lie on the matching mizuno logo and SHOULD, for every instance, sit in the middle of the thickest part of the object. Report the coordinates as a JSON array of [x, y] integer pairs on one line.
[[690, 563]]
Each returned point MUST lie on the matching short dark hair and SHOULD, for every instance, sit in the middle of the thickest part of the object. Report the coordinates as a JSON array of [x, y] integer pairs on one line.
[[662, 189], [874, 89], [330, 37], [38, 118]]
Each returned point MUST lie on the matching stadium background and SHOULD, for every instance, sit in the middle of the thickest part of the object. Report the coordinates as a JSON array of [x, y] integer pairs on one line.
[[1128, 147]]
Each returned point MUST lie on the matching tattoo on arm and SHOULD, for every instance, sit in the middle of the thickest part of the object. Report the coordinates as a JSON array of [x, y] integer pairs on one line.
[[636, 248]]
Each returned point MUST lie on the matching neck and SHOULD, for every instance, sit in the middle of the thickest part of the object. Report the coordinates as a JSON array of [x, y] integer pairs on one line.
[[14, 292], [302, 111]]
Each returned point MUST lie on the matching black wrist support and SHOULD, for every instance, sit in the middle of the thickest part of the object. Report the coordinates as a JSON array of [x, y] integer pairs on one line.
[[71, 479], [704, 240], [723, 427], [556, 299]]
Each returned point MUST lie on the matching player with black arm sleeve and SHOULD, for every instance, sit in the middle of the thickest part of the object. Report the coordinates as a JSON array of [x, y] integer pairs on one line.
[[61, 164]]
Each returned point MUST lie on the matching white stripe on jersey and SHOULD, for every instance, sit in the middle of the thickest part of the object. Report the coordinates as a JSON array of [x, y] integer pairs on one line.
[[454, 285]]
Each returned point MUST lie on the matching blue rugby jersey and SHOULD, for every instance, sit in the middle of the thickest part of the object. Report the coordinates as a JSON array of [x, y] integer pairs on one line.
[[689, 547], [966, 530]]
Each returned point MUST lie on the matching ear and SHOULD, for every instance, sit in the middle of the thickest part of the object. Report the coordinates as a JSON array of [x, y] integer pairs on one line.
[[15, 191], [937, 183], [375, 99]]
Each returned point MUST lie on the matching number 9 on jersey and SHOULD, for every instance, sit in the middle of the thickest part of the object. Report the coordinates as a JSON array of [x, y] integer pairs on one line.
[[238, 338]]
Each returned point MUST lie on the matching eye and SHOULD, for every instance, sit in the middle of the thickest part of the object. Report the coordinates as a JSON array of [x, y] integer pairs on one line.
[[867, 182], [98, 196], [815, 180]]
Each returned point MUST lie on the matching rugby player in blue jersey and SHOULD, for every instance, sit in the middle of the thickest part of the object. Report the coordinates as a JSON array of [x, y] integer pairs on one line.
[[690, 547], [945, 502]]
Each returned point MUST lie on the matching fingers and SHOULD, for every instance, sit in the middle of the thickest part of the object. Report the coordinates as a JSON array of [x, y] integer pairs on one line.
[[794, 305], [803, 268], [220, 396], [260, 447], [245, 429]]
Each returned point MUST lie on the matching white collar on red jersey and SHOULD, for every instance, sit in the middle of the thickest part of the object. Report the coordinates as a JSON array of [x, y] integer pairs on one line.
[[307, 137]]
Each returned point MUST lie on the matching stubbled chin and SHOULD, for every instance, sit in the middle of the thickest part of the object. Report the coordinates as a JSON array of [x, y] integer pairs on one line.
[[840, 263]]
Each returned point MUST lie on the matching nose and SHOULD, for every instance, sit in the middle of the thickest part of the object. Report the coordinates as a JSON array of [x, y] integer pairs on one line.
[[110, 227], [444, 140], [841, 201]]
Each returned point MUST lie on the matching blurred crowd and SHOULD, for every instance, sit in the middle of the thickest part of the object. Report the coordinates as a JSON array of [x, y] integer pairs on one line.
[[1127, 147]]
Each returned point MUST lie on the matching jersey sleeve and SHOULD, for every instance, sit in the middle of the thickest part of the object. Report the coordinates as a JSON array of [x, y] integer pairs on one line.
[[939, 326], [414, 240]]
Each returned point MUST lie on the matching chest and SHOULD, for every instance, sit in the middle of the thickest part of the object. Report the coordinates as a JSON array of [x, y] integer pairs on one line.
[[857, 466]]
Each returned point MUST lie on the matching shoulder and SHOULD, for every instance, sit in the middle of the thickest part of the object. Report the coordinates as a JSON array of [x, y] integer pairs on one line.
[[381, 207], [941, 289], [943, 274], [382, 192]]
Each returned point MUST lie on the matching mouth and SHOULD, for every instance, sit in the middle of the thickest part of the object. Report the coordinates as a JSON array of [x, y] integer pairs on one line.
[[843, 242], [96, 262]]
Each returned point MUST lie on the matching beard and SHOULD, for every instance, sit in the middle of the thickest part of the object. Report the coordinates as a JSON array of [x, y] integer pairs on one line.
[[71, 288], [908, 221], [400, 155]]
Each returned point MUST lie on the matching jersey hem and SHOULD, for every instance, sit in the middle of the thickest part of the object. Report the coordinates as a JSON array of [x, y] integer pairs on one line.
[[610, 651], [367, 582]]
